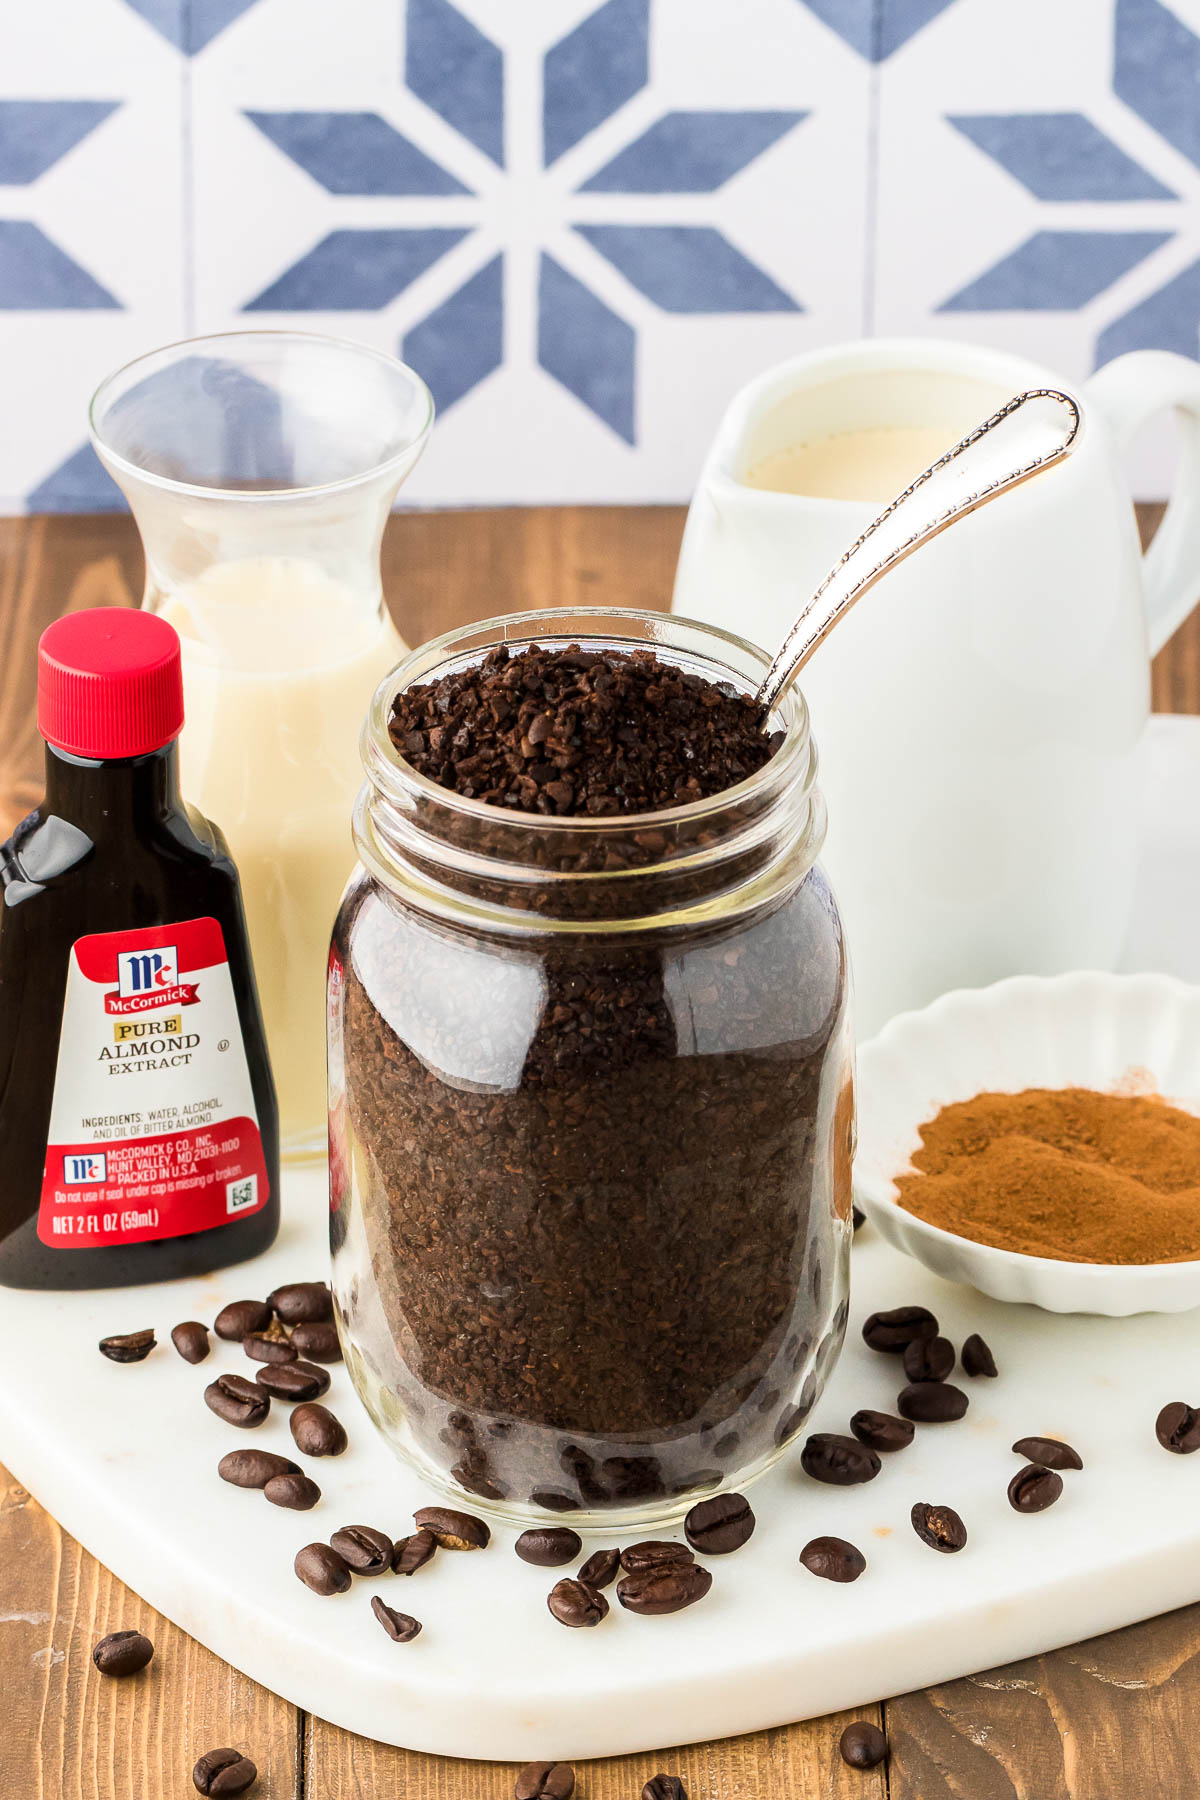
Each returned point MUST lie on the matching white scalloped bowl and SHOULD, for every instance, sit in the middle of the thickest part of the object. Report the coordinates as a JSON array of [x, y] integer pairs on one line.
[[1130, 1033]]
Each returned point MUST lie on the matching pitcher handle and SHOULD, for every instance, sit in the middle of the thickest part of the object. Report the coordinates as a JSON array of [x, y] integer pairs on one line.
[[1127, 391]]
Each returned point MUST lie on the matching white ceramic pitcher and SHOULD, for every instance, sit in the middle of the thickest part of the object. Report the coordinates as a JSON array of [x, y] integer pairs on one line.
[[978, 713]]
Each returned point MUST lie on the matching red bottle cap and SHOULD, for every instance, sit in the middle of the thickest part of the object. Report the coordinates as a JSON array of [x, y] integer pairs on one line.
[[109, 683]]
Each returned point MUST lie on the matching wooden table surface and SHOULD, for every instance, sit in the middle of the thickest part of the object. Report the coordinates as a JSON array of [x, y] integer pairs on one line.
[[1113, 1719]]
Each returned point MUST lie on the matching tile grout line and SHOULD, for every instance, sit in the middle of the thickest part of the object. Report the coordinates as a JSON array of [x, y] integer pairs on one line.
[[187, 174], [871, 197]]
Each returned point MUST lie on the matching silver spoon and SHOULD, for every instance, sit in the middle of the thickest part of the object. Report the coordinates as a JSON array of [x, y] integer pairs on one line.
[[1032, 432]]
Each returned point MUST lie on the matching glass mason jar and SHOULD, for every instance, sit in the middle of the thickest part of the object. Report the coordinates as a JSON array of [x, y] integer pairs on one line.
[[591, 1090]]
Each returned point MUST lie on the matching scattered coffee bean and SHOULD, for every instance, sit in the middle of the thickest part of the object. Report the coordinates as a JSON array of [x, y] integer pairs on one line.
[[892, 1332], [1048, 1453], [318, 1341], [839, 1461], [237, 1401], [1032, 1490], [253, 1468], [863, 1746], [293, 1380], [664, 1787], [402, 1628], [833, 1559], [239, 1317], [882, 1431], [545, 1781], [297, 1492], [928, 1359], [664, 1588], [652, 1553], [222, 1772], [261, 1347], [717, 1526], [932, 1402], [412, 1553], [549, 1546], [601, 1567], [938, 1526], [191, 1340], [316, 1432], [1178, 1428], [576, 1604], [302, 1302], [322, 1569], [122, 1653], [135, 1346], [975, 1356], [363, 1549], [858, 1218], [453, 1530]]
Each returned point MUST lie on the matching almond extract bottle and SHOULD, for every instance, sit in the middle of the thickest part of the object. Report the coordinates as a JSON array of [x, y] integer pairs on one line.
[[139, 1136]]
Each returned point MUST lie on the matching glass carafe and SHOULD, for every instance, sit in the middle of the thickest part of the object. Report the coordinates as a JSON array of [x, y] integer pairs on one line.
[[260, 467]]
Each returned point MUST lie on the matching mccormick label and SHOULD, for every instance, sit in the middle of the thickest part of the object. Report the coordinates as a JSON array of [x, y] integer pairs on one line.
[[153, 1128]]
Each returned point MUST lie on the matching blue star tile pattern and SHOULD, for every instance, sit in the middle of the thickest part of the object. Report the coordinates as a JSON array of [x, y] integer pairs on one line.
[[1055, 271], [1156, 71], [877, 28], [36, 276], [462, 340], [586, 347], [1060, 156], [1166, 320], [688, 268], [191, 25], [592, 72], [690, 152], [35, 134], [457, 71], [357, 271], [356, 153], [79, 484]]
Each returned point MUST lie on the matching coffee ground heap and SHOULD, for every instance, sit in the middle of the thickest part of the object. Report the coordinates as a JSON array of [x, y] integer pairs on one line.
[[575, 731], [1067, 1173]]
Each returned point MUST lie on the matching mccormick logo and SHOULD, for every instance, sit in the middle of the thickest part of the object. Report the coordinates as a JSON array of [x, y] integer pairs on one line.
[[147, 980], [84, 1171]]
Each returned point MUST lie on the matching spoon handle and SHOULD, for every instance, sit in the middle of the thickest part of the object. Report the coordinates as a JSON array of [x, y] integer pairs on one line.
[[1006, 449]]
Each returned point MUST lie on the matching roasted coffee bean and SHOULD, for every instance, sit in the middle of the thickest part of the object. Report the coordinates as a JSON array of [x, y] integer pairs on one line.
[[652, 1553], [318, 1341], [1048, 1453], [239, 1317], [840, 1461], [322, 1569], [863, 1745], [261, 1347], [574, 1603], [549, 1546], [453, 1530], [412, 1553], [1178, 1428], [975, 1356], [253, 1468], [1032, 1490], [135, 1346], [882, 1431], [122, 1653], [938, 1526], [315, 1430], [717, 1526], [545, 1781], [224, 1772], [191, 1340], [932, 1402], [402, 1628], [892, 1332], [297, 1492], [664, 1588], [293, 1380], [833, 1559], [858, 1218], [301, 1302], [363, 1549], [928, 1359], [237, 1401], [664, 1787], [601, 1568]]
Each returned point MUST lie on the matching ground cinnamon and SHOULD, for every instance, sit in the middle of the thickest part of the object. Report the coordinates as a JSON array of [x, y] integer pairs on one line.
[[1065, 1172]]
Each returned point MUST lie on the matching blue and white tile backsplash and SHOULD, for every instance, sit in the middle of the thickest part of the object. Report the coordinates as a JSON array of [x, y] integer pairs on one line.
[[586, 222]]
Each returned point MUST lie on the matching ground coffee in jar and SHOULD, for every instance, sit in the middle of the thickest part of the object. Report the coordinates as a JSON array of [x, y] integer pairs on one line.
[[590, 1069]]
